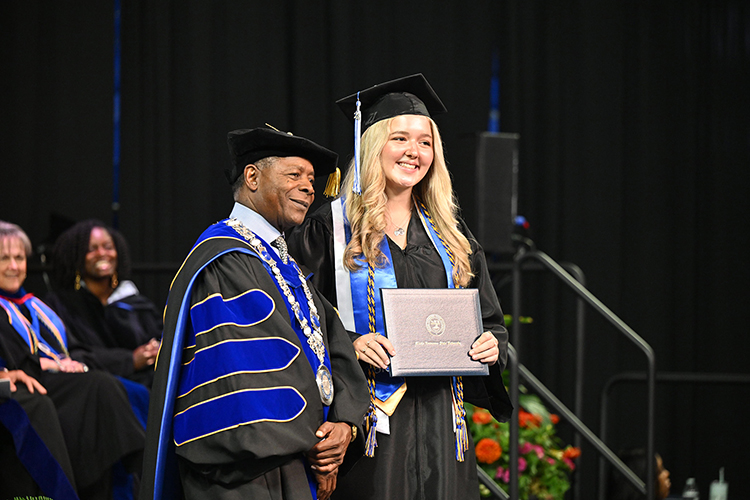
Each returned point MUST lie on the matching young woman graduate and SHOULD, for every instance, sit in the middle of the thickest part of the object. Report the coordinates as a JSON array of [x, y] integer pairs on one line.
[[396, 225]]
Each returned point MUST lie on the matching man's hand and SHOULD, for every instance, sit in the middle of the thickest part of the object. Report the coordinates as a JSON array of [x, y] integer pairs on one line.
[[326, 484], [328, 454], [21, 377]]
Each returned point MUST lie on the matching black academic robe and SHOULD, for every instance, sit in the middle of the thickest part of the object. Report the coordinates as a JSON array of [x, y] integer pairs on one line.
[[19, 475], [260, 453], [417, 460], [94, 414], [104, 337]]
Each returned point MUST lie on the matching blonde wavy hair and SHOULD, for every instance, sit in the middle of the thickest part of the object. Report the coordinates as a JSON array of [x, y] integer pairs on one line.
[[366, 213]]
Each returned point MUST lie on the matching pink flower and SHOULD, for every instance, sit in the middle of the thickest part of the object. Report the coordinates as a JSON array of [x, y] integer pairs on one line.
[[569, 463], [525, 448], [503, 475], [521, 464], [539, 450], [551, 460]]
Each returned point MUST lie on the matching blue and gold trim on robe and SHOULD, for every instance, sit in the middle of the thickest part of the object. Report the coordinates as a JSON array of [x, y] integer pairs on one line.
[[185, 366], [42, 316], [20, 324]]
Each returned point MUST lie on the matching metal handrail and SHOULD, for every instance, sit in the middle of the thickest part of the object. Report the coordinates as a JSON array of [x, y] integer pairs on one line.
[[523, 254], [543, 392]]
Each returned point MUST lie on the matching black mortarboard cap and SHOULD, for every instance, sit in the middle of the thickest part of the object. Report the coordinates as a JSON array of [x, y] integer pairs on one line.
[[410, 95], [250, 145]]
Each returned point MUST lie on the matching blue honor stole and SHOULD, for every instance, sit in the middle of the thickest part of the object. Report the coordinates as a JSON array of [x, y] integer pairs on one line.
[[352, 292], [355, 288], [351, 286]]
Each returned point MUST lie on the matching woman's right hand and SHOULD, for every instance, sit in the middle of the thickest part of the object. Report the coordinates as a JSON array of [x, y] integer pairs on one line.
[[374, 349], [145, 355]]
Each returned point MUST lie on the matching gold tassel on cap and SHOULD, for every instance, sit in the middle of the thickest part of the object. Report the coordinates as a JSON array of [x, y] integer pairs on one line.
[[332, 186]]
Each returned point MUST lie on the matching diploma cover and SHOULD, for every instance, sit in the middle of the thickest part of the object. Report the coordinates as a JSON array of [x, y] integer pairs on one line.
[[432, 330]]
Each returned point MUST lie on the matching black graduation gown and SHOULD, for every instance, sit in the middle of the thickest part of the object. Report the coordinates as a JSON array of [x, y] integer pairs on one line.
[[15, 480], [104, 337], [94, 413], [259, 458], [417, 460]]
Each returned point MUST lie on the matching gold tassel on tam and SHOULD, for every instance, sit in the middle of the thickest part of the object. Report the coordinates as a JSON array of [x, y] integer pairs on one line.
[[332, 186]]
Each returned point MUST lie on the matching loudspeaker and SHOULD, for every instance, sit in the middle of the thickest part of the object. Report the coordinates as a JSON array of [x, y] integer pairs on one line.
[[497, 190]]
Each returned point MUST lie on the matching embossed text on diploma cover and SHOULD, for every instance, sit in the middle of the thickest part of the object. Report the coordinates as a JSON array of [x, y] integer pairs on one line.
[[432, 330]]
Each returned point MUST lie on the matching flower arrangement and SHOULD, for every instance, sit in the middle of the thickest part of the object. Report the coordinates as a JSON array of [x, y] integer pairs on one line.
[[544, 463]]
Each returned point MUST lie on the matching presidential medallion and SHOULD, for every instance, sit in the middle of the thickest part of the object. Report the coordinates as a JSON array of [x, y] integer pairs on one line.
[[325, 385]]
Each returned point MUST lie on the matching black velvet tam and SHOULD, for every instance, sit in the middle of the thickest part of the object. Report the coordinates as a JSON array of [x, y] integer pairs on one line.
[[247, 146], [410, 95]]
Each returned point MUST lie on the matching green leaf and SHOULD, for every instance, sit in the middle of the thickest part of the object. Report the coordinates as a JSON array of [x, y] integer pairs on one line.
[[532, 404]]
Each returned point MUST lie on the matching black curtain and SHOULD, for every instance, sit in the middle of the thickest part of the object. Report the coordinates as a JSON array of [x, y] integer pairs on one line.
[[635, 148]]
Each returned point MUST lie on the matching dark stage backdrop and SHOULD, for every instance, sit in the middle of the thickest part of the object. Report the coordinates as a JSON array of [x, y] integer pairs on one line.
[[635, 148]]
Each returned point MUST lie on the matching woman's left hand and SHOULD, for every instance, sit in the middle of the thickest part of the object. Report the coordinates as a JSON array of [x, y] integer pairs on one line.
[[485, 349]]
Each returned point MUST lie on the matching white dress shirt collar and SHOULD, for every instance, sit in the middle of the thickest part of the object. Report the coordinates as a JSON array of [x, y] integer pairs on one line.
[[255, 222]]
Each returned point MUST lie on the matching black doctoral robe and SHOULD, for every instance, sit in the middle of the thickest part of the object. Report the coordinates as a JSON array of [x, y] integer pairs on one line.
[[19, 475], [417, 460], [104, 337], [244, 449], [97, 422]]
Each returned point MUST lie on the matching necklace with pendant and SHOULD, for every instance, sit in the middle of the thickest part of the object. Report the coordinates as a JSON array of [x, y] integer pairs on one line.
[[400, 228]]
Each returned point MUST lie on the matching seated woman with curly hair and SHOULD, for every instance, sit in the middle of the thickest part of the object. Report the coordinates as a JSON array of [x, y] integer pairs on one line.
[[111, 325]]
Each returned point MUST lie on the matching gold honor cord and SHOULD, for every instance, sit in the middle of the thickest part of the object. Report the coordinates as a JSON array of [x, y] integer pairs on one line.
[[457, 386]]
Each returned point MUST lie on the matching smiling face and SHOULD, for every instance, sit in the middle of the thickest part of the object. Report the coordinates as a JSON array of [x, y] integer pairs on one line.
[[408, 153], [12, 264], [101, 258], [282, 192]]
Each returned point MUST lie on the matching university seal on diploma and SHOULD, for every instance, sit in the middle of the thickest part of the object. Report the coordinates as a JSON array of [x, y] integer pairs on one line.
[[432, 330]]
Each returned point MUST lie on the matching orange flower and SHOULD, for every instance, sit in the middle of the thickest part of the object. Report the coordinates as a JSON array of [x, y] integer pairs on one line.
[[481, 416], [572, 452], [488, 451], [554, 418], [526, 419]]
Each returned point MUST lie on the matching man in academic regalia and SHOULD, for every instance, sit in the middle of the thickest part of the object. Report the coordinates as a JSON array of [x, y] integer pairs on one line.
[[257, 392]]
